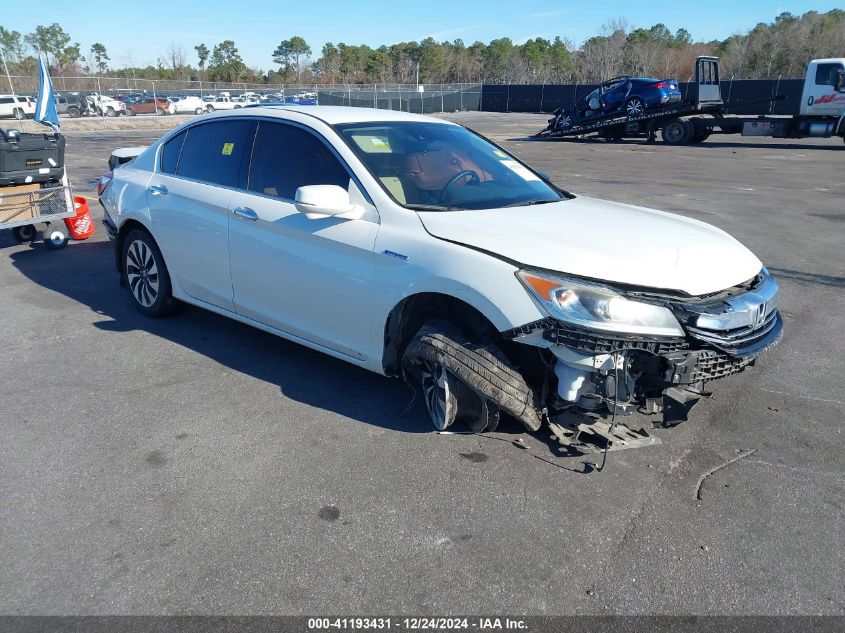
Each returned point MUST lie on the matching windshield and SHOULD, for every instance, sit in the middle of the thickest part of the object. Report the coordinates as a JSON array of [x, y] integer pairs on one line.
[[441, 167]]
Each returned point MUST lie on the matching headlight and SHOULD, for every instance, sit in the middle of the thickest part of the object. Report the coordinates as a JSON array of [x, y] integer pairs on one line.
[[597, 307]]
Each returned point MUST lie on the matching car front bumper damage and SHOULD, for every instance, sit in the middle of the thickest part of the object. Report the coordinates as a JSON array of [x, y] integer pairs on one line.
[[601, 374]]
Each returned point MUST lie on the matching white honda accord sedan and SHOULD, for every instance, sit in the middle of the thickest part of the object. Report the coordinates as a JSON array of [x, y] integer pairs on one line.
[[413, 247]]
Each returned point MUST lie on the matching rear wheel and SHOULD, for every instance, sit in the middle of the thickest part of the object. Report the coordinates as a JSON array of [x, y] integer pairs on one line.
[[677, 132], [209, 109], [634, 106], [73, 112], [130, 112], [198, 111], [159, 112], [110, 111], [24, 233], [145, 274]]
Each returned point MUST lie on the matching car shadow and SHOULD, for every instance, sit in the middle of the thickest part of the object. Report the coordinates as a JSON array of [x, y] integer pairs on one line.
[[85, 272]]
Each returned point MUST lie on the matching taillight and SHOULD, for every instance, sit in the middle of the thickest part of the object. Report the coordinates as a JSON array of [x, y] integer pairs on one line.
[[661, 84], [104, 181]]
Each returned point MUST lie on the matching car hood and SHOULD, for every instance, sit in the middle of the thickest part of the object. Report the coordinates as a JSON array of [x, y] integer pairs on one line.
[[605, 241]]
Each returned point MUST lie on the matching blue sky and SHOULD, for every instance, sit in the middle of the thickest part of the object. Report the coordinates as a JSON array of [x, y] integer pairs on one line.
[[141, 31]]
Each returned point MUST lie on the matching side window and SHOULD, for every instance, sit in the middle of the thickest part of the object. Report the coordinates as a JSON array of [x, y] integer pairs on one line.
[[6, 100], [826, 74], [215, 152], [170, 153], [286, 158]]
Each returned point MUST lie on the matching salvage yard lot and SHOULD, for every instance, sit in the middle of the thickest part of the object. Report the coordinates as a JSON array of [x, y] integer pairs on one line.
[[196, 465]]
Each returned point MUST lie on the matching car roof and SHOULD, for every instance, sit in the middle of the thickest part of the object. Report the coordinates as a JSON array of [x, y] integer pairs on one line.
[[336, 114]]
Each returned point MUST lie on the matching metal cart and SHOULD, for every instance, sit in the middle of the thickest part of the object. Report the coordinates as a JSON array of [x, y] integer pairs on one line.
[[22, 211]]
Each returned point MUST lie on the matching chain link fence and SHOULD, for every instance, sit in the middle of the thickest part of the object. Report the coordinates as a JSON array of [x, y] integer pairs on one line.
[[422, 98]]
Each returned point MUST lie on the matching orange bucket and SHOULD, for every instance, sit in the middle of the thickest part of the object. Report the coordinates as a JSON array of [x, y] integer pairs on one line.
[[80, 226]]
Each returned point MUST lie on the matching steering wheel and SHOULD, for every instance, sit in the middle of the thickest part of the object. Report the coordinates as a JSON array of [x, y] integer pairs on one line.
[[474, 178]]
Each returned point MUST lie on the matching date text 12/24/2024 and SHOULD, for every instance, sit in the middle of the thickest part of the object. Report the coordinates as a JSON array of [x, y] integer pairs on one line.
[[416, 624]]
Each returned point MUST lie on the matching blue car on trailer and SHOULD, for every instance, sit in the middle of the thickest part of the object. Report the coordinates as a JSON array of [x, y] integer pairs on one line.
[[629, 95]]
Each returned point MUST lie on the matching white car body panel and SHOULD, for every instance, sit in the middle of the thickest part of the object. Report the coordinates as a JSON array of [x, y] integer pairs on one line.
[[331, 283], [594, 238]]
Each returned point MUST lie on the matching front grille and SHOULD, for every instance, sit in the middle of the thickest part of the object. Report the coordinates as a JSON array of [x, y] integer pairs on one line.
[[743, 340], [592, 342], [713, 365]]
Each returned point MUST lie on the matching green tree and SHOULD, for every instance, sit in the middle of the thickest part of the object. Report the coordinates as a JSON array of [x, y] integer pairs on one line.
[[100, 57], [12, 45], [290, 53], [202, 55], [225, 62], [53, 40]]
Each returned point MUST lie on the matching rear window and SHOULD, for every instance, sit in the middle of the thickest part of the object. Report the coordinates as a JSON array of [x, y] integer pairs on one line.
[[214, 152]]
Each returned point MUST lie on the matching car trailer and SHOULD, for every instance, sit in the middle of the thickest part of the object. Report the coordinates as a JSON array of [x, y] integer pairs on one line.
[[22, 208], [821, 114]]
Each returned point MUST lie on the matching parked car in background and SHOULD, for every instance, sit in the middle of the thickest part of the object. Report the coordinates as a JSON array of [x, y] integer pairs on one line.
[[16, 106], [148, 105], [414, 247], [223, 103], [187, 105], [103, 105], [61, 104], [628, 95]]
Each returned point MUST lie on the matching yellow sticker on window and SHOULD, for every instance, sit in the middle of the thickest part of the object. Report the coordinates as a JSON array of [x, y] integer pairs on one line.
[[227, 149]]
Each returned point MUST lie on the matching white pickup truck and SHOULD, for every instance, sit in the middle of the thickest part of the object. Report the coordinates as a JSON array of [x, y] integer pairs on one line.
[[223, 103]]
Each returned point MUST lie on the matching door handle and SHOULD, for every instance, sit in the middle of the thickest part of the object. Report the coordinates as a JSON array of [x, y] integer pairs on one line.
[[157, 190], [246, 213]]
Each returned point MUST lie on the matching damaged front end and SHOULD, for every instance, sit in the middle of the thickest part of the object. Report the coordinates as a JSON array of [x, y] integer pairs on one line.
[[617, 351]]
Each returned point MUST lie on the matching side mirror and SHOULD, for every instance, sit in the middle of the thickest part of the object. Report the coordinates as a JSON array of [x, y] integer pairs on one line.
[[840, 80], [594, 103], [320, 201]]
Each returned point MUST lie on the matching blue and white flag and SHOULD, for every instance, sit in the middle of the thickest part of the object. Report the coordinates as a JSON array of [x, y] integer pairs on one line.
[[45, 107]]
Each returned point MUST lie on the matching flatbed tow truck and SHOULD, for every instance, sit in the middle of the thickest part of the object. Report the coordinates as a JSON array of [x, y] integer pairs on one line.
[[821, 113]]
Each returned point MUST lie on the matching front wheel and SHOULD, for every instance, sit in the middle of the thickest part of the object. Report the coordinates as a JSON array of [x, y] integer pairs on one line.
[[210, 109], [130, 112], [73, 113], [110, 111], [159, 112], [145, 274], [198, 111], [19, 114], [634, 106], [466, 381]]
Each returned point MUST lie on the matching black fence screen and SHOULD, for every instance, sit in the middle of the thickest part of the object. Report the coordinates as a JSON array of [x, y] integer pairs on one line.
[[742, 96]]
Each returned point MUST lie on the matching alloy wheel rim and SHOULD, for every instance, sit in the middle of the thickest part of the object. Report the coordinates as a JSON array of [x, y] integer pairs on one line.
[[635, 107], [142, 273], [437, 394]]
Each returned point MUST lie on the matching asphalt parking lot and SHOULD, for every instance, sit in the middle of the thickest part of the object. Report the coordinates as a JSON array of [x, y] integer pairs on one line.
[[196, 465]]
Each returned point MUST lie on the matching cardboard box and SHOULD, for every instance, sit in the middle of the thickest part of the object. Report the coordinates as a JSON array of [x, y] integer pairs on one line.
[[18, 202]]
